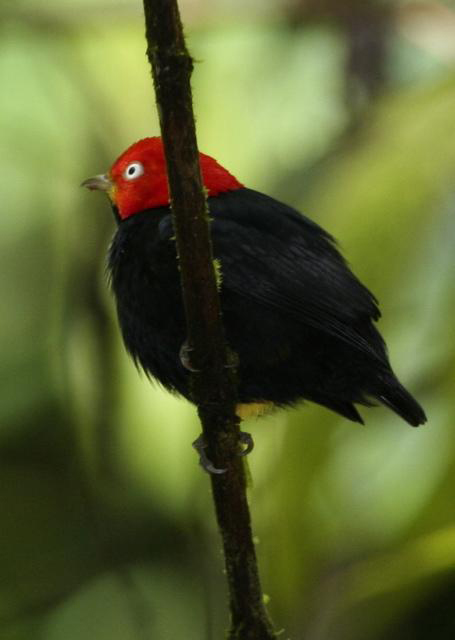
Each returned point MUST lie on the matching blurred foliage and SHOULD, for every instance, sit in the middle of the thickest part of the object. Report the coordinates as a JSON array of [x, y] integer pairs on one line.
[[107, 528]]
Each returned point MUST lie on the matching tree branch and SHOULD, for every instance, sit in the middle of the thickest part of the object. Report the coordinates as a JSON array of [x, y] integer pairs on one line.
[[214, 385]]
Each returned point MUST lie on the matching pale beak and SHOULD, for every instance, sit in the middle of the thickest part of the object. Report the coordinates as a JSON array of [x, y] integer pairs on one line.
[[100, 183]]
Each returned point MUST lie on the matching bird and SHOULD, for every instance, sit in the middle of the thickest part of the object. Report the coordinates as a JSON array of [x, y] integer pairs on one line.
[[302, 324]]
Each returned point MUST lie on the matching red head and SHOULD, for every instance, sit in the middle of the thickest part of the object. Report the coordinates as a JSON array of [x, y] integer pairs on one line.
[[138, 180]]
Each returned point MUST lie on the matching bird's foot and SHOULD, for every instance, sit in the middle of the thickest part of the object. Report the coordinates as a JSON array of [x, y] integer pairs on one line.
[[185, 359], [200, 445], [184, 355], [246, 439]]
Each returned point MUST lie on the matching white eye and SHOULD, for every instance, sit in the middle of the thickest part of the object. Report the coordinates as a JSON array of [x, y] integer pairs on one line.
[[133, 171]]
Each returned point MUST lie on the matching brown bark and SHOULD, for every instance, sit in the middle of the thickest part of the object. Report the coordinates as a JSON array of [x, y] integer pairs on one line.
[[214, 385]]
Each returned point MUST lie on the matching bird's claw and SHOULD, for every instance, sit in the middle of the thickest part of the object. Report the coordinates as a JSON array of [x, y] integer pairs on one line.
[[184, 355], [246, 439], [200, 445]]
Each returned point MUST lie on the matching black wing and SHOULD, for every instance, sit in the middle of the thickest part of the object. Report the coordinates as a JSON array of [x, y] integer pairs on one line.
[[274, 255]]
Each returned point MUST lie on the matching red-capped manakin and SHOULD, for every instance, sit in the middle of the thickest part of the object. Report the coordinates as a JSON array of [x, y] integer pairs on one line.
[[299, 320]]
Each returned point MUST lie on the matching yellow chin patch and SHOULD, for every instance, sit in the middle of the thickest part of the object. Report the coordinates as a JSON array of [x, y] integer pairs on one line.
[[111, 193], [253, 409]]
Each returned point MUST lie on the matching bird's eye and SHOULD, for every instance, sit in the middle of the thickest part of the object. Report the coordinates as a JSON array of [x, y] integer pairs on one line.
[[133, 171]]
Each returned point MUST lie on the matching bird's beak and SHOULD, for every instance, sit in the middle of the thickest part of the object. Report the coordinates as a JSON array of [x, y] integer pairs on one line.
[[100, 183]]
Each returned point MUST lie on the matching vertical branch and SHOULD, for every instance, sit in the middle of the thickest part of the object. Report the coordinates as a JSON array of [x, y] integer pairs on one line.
[[214, 384]]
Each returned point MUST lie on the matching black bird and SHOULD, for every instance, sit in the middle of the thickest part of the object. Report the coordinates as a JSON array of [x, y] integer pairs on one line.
[[300, 321]]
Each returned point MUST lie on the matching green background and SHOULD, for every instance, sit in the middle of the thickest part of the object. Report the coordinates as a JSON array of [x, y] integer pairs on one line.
[[106, 526]]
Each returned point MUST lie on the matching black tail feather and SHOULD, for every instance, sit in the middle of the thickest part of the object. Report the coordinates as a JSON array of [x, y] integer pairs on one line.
[[395, 396], [345, 409]]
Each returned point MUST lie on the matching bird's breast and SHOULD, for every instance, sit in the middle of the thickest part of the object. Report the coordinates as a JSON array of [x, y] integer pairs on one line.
[[146, 285]]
